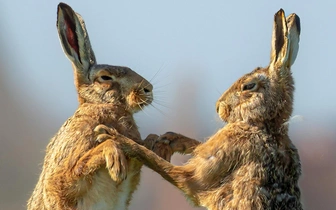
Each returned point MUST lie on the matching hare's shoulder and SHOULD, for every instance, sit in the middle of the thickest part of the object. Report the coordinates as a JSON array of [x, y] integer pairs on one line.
[[74, 138], [75, 130], [232, 138], [231, 147]]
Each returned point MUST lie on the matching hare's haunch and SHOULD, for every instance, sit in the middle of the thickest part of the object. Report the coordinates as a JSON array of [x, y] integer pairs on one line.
[[250, 163], [79, 172]]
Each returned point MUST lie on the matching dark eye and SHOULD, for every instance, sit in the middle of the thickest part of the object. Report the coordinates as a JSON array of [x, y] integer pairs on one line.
[[106, 77], [249, 86]]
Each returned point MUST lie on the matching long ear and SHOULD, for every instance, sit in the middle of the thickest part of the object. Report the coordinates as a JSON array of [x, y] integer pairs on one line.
[[294, 30], [280, 45], [75, 41]]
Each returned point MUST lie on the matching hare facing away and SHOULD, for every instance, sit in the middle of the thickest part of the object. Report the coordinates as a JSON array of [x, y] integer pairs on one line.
[[250, 163], [79, 172]]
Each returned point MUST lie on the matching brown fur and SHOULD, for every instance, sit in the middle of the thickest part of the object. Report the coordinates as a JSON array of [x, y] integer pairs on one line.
[[250, 163], [79, 172]]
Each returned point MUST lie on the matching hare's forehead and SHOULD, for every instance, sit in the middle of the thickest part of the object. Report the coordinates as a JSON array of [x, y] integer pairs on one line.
[[259, 75], [117, 71]]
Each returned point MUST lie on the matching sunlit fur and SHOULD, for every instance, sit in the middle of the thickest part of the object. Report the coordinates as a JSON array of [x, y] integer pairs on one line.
[[270, 102], [125, 89], [78, 171], [250, 163]]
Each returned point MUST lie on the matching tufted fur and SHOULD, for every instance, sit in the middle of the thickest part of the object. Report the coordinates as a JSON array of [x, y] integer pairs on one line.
[[79, 172], [250, 163]]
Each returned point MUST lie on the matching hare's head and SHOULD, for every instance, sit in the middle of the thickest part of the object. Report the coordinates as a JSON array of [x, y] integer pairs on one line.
[[100, 84], [266, 94]]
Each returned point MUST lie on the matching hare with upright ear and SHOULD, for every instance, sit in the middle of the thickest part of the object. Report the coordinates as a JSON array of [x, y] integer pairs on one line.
[[79, 172], [251, 162]]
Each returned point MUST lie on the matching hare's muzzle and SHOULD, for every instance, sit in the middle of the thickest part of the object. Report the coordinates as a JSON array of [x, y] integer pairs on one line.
[[147, 93], [140, 96]]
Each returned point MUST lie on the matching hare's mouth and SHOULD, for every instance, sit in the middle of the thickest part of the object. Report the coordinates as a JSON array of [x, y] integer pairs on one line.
[[142, 102], [138, 100]]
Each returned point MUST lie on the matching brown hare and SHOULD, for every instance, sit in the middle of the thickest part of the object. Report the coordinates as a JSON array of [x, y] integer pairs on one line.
[[79, 172], [250, 163]]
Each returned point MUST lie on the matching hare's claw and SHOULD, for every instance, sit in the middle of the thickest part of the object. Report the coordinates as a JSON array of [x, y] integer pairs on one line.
[[169, 143], [102, 137], [178, 143], [104, 132], [150, 141], [161, 148], [168, 138], [103, 129]]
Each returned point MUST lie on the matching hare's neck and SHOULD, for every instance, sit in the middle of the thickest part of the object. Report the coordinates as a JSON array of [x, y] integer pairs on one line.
[[113, 116], [276, 128]]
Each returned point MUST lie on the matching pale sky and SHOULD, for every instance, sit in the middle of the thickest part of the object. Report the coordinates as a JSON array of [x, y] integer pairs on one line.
[[194, 50], [208, 43]]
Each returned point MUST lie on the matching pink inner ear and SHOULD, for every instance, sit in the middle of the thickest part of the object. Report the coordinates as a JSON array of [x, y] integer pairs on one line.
[[71, 35]]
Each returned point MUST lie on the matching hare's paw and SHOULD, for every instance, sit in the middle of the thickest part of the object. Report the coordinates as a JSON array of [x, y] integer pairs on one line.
[[162, 149], [103, 129], [105, 155], [178, 143], [150, 141], [116, 163], [89, 162], [169, 137], [104, 132]]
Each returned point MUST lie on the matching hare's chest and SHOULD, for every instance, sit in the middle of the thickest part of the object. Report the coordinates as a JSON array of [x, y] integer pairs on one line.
[[105, 194]]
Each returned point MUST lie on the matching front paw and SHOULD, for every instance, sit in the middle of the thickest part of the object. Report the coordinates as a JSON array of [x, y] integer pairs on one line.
[[115, 160], [178, 142], [161, 148], [171, 139], [106, 155], [103, 132], [150, 141], [116, 163]]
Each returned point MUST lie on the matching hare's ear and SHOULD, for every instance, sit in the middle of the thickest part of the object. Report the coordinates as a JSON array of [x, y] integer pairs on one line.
[[285, 41], [294, 30], [280, 45], [75, 41]]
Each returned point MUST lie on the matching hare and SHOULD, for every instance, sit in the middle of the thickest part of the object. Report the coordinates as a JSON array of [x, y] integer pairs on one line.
[[79, 172], [251, 162]]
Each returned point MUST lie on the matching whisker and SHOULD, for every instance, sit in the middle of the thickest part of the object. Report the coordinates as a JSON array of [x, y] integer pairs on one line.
[[165, 106], [147, 85], [165, 85], [145, 102], [143, 110], [161, 95], [157, 72], [159, 110], [160, 91], [139, 85], [159, 99], [219, 92]]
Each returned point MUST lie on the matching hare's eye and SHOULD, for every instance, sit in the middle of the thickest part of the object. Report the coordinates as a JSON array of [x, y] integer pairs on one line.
[[249, 86], [106, 78]]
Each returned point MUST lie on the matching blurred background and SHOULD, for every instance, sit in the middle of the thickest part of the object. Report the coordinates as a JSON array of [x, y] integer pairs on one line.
[[192, 51]]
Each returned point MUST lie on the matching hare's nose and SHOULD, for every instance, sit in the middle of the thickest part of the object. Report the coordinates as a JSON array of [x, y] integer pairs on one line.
[[148, 88]]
